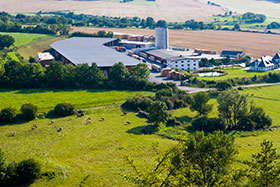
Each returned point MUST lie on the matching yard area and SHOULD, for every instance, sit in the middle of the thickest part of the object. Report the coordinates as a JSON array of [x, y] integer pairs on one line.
[[47, 99], [236, 72]]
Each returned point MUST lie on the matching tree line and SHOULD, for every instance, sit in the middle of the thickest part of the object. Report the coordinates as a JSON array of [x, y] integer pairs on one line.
[[60, 22], [18, 75], [208, 160]]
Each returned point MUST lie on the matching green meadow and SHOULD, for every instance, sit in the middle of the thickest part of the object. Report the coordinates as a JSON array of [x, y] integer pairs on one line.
[[47, 99], [26, 38], [236, 72], [94, 154]]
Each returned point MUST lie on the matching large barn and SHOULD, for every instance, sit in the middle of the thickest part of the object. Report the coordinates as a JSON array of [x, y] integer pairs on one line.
[[81, 50]]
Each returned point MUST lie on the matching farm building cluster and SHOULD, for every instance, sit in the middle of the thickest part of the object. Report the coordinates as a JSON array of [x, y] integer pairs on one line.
[[134, 49]]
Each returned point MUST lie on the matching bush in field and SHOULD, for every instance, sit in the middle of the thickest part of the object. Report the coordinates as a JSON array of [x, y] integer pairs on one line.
[[223, 85], [64, 109], [158, 112], [29, 111], [208, 124], [23, 172], [137, 103], [7, 115]]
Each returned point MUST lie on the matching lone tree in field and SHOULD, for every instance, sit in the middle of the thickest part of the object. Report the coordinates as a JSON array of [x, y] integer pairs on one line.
[[199, 161], [204, 160], [158, 112], [6, 41], [233, 107], [264, 168], [199, 103], [223, 85]]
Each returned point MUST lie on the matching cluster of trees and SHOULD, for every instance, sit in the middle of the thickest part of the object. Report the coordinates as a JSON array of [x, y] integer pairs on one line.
[[15, 74], [30, 112], [273, 25], [250, 17], [43, 24], [6, 41], [157, 107], [18, 173], [203, 160], [102, 34], [235, 113], [198, 25], [225, 61]]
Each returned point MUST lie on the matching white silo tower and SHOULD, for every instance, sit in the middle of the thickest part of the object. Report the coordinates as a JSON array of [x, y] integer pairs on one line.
[[162, 37]]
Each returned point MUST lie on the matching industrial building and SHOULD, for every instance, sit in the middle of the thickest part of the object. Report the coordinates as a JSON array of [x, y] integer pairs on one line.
[[80, 50], [181, 59]]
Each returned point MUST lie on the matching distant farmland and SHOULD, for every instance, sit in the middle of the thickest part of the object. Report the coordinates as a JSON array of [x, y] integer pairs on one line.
[[175, 10], [253, 44]]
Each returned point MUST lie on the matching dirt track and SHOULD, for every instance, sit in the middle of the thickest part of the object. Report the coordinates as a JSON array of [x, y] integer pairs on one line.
[[253, 44]]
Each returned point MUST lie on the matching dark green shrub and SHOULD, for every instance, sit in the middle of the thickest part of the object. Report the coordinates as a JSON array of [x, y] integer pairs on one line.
[[29, 111], [7, 115], [172, 121], [208, 124], [64, 109], [2, 168], [223, 85], [23, 172]]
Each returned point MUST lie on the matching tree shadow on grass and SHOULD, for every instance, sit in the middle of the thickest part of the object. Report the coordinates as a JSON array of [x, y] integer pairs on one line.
[[145, 129]]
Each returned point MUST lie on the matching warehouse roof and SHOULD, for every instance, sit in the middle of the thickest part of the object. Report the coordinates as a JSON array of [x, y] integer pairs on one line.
[[163, 53], [80, 50]]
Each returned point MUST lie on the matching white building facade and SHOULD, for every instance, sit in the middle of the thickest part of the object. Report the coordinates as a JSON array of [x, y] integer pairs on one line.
[[184, 63]]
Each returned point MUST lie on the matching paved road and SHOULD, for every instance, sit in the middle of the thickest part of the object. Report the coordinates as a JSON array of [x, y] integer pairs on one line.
[[155, 77]]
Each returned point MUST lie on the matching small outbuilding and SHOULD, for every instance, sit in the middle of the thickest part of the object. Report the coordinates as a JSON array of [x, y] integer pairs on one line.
[[232, 54]]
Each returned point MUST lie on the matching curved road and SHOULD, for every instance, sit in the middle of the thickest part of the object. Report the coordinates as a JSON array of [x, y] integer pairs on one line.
[[155, 77]]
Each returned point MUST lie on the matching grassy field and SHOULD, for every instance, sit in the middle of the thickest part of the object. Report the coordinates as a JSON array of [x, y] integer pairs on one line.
[[266, 7], [32, 49], [253, 44], [26, 38], [47, 99], [160, 9], [235, 73], [94, 153]]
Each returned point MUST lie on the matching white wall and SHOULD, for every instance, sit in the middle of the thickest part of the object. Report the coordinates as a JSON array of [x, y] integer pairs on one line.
[[192, 64]]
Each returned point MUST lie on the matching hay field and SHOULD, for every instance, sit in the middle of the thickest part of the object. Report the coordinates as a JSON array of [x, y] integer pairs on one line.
[[266, 7], [253, 44], [175, 10]]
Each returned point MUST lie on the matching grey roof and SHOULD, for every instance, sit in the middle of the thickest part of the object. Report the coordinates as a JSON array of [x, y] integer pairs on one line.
[[163, 53], [276, 57], [231, 52], [265, 61], [80, 50]]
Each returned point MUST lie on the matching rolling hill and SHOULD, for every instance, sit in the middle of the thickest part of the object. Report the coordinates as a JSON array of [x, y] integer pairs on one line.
[[175, 10]]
